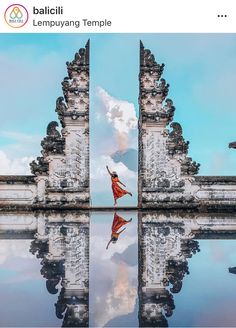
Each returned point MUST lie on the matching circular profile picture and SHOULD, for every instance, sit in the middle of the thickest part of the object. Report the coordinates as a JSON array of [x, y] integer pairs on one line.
[[16, 15]]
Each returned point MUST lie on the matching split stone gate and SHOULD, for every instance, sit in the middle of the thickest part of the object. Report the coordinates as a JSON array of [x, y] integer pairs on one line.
[[167, 177]]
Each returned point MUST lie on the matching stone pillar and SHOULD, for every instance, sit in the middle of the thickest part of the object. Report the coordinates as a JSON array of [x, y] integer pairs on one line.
[[62, 172], [164, 168], [74, 117]]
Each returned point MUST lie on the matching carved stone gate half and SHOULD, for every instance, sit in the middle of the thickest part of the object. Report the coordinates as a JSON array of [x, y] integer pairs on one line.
[[167, 176], [61, 174]]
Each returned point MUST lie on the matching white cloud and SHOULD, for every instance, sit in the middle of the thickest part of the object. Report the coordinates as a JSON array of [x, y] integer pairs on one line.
[[14, 248], [14, 166], [99, 171], [120, 114], [16, 156], [121, 299], [21, 145]]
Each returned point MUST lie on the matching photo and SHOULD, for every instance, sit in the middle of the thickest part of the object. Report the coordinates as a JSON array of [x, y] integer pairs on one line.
[[117, 179]]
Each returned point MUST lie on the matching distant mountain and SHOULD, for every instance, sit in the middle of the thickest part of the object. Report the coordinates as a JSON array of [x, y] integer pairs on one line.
[[128, 157], [128, 256]]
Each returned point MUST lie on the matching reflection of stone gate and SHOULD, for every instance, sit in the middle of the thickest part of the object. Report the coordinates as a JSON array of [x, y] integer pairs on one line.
[[167, 176], [166, 243], [61, 242]]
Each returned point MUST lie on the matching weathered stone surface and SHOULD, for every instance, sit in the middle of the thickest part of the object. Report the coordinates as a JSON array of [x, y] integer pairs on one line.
[[162, 158], [167, 176], [17, 191], [39, 166], [215, 180], [176, 143], [62, 244], [63, 170], [17, 179]]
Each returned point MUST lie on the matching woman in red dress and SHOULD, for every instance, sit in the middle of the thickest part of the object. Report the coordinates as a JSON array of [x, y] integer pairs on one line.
[[117, 190], [118, 222]]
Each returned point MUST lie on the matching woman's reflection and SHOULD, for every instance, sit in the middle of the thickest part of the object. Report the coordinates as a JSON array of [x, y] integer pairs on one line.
[[118, 222]]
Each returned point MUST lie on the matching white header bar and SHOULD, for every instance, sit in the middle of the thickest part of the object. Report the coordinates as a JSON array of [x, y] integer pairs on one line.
[[109, 16]]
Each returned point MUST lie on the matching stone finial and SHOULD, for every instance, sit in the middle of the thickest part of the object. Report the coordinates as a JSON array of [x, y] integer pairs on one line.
[[52, 129], [153, 90], [61, 109], [39, 166], [148, 62], [75, 103], [176, 143], [53, 143], [80, 62], [189, 167]]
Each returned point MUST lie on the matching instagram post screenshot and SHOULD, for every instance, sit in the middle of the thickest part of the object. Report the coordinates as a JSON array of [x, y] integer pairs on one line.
[[117, 163]]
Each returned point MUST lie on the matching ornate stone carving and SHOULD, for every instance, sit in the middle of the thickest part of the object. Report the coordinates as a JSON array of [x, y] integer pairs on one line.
[[76, 86], [165, 247], [80, 62], [65, 160], [148, 62], [53, 143], [189, 167], [61, 109], [163, 161], [76, 92], [154, 309], [64, 254], [157, 176], [73, 311], [39, 166], [176, 143], [153, 89]]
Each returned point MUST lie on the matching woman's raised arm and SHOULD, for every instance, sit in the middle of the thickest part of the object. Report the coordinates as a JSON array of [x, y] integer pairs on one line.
[[108, 170]]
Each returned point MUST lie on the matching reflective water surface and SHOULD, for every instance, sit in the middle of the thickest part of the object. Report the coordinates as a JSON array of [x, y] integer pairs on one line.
[[102, 269]]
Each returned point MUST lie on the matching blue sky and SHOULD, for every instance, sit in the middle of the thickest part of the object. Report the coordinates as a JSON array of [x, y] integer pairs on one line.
[[200, 68]]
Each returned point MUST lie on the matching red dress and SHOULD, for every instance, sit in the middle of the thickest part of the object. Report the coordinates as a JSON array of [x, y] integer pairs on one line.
[[118, 222], [117, 190]]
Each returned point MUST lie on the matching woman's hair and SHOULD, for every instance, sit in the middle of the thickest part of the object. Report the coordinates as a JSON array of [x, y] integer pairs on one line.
[[114, 239], [114, 175]]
